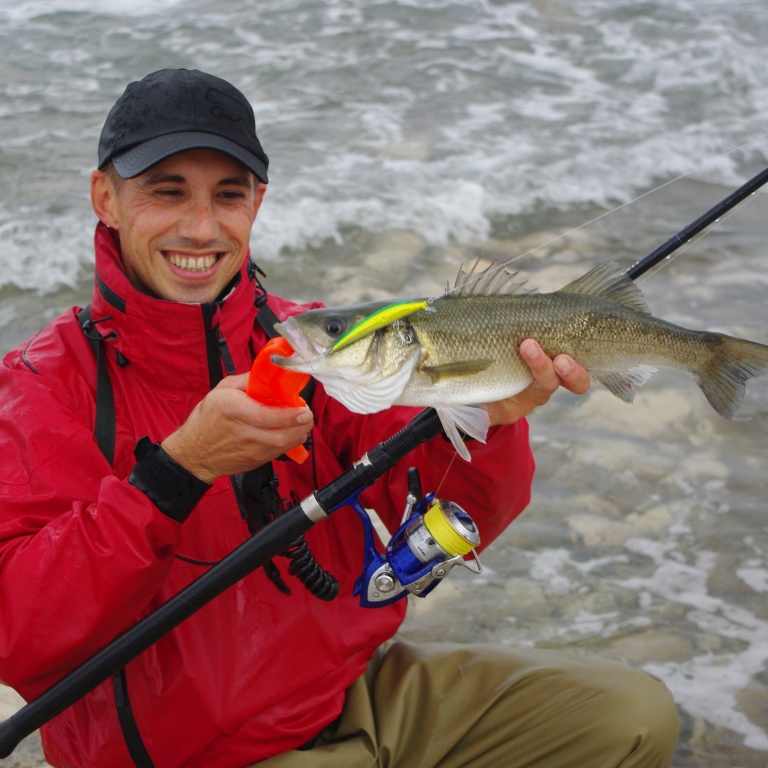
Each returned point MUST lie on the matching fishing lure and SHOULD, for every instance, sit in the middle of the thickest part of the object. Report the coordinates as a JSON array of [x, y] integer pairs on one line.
[[379, 319]]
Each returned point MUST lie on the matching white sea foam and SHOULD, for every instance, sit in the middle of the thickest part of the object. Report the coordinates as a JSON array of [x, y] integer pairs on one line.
[[727, 673], [446, 120], [30, 9]]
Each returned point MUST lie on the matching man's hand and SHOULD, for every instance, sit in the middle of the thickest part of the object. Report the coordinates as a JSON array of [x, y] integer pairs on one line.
[[229, 432], [548, 376]]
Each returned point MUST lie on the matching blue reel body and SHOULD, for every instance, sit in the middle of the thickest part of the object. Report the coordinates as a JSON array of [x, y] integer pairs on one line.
[[419, 554]]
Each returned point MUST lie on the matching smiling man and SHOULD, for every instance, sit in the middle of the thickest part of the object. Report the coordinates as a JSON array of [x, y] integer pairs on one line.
[[184, 226], [133, 460]]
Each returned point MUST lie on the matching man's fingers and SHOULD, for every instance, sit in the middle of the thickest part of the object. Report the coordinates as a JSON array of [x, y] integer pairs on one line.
[[550, 374], [541, 366], [573, 377], [268, 417]]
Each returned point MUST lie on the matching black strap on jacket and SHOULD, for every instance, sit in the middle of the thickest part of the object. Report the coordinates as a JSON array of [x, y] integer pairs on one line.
[[136, 747], [104, 431], [104, 427]]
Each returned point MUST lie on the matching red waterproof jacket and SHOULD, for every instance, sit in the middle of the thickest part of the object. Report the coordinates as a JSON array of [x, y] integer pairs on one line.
[[84, 554]]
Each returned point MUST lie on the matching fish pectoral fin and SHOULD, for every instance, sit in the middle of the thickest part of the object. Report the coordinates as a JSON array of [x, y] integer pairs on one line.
[[472, 420], [625, 384], [455, 370]]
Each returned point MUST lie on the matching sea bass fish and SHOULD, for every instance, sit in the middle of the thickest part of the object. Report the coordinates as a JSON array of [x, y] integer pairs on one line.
[[461, 349]]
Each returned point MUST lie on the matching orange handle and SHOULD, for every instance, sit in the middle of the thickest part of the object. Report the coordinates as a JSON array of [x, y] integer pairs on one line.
[[277, 387]]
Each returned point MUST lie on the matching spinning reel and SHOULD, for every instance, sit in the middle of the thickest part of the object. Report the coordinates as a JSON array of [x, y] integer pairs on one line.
[[433, 538]]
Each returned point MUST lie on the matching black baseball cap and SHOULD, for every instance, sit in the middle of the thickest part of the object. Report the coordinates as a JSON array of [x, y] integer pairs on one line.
[[175, 110]]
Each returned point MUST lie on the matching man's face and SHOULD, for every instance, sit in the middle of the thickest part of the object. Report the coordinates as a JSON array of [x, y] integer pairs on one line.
[[184, 224]]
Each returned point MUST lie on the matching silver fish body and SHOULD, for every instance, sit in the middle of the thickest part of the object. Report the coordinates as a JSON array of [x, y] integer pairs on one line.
[[462, 348]]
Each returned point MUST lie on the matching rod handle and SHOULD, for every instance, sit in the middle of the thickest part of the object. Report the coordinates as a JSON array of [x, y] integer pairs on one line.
[[10, 736]]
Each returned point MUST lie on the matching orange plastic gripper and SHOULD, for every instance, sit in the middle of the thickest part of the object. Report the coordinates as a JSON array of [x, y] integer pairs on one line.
[[277, 387]]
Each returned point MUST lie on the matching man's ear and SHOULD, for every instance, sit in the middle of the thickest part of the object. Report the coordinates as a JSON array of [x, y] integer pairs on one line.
[[104, 199], [261, 189]]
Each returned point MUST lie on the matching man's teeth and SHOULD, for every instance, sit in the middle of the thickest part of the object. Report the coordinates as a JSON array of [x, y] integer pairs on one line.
[[191, 263]]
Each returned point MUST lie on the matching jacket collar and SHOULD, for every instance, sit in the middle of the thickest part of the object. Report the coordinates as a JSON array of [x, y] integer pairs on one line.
[[168, 340]]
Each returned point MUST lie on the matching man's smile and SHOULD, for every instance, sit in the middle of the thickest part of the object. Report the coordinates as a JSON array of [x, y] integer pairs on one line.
[[192, 263]]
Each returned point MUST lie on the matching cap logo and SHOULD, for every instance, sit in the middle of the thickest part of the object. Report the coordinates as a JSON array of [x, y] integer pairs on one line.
[[222, 105]]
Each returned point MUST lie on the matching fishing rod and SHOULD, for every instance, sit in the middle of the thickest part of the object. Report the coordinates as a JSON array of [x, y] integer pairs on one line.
[[684, 235], [278, 535]]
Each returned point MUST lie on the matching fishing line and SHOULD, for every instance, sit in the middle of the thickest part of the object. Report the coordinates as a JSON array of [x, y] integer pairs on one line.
[[618, 208], [445, 474]]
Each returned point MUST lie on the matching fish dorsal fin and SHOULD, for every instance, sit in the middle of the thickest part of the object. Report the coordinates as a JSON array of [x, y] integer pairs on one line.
[[610, 281], [494, 280]]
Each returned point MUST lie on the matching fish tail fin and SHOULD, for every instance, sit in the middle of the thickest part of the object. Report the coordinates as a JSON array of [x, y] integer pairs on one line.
[[472, 420], [724, 379]]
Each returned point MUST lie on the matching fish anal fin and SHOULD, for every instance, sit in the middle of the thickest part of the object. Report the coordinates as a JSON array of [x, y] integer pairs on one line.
[[455, 370], [624, 384], [610, 281]]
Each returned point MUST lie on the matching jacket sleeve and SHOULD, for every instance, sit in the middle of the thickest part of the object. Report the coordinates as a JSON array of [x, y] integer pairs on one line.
[[494, 488], [82, 552]]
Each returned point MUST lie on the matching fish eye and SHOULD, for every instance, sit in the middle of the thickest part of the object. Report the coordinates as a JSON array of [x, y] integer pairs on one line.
[[334, 326]]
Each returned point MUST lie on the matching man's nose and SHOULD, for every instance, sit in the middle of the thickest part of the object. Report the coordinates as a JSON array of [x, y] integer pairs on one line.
[[200, 221]]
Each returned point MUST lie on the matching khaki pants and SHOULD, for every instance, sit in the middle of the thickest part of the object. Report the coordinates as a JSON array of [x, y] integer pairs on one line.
[[473, 706]]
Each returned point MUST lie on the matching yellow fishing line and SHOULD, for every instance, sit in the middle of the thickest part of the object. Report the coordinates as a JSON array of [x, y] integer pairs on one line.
[[447, 537], [382, 318]]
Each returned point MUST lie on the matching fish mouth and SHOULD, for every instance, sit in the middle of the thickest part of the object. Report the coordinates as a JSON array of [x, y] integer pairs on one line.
[[306, 350]]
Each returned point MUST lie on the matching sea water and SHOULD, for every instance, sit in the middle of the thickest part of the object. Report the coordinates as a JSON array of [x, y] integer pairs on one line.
[[408, 137]]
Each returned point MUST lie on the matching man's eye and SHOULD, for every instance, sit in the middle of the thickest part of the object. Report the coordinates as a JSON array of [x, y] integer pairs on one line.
[[168, 192]]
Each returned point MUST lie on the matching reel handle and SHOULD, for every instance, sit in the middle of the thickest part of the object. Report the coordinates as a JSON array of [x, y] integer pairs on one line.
[[277, 387]]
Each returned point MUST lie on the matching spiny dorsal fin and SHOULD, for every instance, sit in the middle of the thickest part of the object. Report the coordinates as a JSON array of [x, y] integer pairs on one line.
[[610, 281], [494, 280]]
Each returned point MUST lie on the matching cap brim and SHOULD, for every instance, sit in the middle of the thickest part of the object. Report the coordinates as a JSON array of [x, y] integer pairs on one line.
[[138, 159]]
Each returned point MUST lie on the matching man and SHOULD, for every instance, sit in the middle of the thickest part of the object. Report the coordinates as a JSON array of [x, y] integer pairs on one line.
[[104, 518]]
